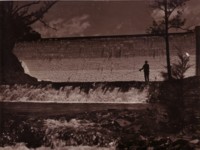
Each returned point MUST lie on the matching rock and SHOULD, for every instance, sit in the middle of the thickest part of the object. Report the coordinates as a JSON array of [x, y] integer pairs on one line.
[[181, 144], [19, 78], [150, 148], [142, 138], [123, 122], [195, 141]]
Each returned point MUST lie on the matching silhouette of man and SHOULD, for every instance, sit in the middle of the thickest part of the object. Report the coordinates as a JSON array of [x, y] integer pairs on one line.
[[146, 71]]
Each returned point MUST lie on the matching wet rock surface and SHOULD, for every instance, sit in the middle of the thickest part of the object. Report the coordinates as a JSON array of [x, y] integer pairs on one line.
[[123, 129]]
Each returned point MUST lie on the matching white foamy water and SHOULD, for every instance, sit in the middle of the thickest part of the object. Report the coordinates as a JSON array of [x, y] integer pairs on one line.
[[101, 69], [26, 69], [73, 123], [22, 93]]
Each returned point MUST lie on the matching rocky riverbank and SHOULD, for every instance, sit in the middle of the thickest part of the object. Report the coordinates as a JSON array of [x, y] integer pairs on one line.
[[172, 122]]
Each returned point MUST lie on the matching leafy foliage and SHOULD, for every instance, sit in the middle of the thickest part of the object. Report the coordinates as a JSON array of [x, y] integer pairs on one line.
[[21, 16], [171, 16], [30, 35], [157, 28], [174, 15], [16, 20], [179, 68]]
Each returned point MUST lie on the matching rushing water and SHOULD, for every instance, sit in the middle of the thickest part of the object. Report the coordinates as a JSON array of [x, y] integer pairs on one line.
[[100, 69]]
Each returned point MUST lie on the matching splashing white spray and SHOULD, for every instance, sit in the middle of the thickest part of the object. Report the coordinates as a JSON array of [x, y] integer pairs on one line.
[[26, 70]]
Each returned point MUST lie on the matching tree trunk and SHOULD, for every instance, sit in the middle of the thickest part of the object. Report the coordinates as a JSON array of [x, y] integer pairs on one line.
[[11, 70], [167, 43]]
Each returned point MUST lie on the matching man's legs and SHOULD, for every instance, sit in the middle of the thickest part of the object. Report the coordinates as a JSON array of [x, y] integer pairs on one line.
[[146, 76]]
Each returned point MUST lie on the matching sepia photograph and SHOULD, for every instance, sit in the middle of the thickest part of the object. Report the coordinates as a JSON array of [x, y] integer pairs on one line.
[[100, 75]]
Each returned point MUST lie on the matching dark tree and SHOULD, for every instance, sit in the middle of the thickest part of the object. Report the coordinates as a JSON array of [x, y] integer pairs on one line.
[[172, 18], [30, 35], [15, 22]]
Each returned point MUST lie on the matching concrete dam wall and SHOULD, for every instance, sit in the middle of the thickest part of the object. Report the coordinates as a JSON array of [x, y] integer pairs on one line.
[[105, 46], [108, 58]]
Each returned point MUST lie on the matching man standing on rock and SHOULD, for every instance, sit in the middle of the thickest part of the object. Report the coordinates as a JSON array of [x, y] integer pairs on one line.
[[146, 71]]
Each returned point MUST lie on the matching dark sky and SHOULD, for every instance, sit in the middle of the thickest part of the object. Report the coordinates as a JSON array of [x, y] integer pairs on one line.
[[92, 18]]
